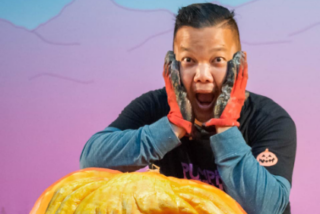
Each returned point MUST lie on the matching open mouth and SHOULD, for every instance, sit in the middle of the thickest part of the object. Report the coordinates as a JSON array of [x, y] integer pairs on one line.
[[205, 101]]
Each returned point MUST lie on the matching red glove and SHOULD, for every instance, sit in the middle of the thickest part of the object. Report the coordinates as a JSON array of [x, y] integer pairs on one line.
[[180, 107], [233, 93]]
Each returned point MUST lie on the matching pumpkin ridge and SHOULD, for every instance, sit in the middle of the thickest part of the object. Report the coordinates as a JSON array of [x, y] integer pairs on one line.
[[72, 197], [108, 191], [63, 191]]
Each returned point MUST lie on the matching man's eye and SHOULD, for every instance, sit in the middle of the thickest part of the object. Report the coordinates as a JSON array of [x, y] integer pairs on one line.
[[218, 60], [187, 59]]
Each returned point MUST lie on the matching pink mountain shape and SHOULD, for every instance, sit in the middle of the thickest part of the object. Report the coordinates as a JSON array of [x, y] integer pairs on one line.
[[70, 28], [266, 21], [103, 23]]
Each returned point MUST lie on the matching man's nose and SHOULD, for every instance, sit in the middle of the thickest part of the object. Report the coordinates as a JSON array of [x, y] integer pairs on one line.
[[203, 74]]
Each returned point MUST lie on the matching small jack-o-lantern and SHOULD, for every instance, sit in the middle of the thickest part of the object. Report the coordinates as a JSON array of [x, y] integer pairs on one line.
[[267, 158]]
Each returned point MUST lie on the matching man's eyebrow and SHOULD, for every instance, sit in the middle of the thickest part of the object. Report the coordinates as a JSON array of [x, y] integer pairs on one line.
[[184, 49]]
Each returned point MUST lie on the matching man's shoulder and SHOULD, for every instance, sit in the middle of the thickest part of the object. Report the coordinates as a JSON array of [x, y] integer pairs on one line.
[[261, 112], [155, 94], [261, 104], [156, 98], [143, 110]]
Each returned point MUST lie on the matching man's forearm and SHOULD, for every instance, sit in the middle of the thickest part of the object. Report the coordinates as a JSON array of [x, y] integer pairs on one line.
[[129, 150], [244, 179], [221, 129], [178, 131]]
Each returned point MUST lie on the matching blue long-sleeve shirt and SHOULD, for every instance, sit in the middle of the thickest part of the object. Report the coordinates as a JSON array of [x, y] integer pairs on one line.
[[244, 179], [129, 150], [232, 160]]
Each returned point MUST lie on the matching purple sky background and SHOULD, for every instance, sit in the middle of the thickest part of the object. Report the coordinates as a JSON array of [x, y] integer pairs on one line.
[[72, 76]]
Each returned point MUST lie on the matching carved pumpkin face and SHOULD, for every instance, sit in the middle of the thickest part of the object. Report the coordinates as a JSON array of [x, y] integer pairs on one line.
[[267, 158]]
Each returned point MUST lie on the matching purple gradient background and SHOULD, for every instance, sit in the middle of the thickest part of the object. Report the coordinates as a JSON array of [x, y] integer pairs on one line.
[[72, 76]]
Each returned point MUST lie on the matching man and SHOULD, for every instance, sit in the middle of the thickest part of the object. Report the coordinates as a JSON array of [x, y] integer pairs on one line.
[[203, 125]]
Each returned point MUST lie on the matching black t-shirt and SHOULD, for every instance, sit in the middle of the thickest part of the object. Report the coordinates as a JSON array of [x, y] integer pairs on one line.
[[263, 124]]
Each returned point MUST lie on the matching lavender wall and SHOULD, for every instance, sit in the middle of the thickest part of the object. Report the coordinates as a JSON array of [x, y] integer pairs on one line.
[[72, 75]]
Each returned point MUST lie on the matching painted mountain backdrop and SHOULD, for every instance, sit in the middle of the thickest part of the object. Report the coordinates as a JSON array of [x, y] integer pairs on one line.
[[71, 76]]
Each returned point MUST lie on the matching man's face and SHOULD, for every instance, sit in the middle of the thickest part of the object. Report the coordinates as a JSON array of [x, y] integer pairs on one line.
[[204, 54]]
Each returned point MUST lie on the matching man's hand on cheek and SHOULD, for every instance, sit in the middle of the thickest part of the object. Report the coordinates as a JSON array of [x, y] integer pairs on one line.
[[229, 103], [181, 114]]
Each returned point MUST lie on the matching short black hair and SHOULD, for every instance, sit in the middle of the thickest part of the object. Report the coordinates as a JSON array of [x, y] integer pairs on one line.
[[206, 15]]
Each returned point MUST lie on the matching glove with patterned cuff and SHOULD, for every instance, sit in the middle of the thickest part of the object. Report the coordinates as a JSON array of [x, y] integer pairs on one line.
[[228, 106], [180, 107]]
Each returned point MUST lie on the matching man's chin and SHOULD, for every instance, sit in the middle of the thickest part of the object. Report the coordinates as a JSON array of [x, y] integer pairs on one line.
[[203, 118], [203, 115]]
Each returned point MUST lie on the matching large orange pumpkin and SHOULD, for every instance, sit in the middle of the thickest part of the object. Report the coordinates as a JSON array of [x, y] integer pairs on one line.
[[97, 190]]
